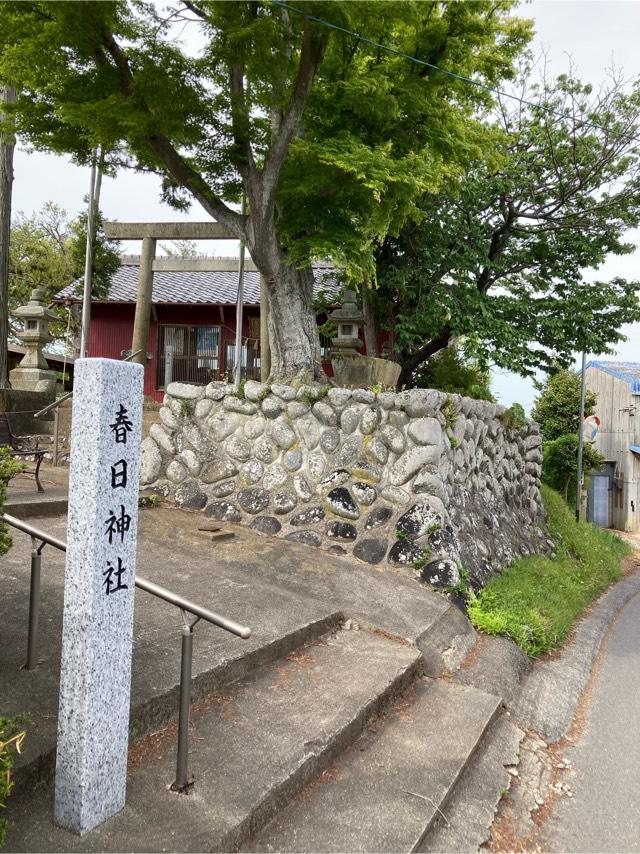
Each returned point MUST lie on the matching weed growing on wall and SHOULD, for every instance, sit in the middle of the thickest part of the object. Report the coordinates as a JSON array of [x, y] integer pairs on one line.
[[12, 735]]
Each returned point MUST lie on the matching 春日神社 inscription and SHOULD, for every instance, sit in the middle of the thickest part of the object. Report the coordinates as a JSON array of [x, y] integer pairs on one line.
[[97, 636]]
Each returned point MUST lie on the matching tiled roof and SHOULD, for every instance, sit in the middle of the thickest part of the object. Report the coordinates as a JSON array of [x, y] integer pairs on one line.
[[627, 371], [204, 288]]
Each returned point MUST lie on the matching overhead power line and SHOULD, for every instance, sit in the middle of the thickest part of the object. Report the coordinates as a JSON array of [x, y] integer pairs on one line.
[[423, 62]]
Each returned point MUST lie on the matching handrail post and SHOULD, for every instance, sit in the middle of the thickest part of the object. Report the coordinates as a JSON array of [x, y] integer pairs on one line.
[[182, 782], [56, 429], [34, 604]]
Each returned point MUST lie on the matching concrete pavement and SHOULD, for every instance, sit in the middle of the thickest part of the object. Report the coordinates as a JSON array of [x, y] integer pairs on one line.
[[604, 812]]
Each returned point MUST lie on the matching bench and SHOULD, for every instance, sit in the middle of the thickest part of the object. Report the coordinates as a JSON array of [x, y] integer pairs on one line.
[[21, 446]]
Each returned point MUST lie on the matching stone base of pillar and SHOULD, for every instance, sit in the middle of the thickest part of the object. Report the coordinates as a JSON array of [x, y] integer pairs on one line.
[[34, 379]]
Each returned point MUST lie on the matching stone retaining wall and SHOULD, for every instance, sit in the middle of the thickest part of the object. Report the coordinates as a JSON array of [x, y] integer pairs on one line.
[[410, 478]]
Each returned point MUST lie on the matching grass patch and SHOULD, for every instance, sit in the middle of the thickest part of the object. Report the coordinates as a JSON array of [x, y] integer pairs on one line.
[[537, 599]]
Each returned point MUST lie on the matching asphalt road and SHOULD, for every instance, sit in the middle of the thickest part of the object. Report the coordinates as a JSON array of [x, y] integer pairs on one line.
[[604, 812]]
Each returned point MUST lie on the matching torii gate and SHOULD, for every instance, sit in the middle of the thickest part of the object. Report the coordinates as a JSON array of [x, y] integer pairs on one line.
[[149, 233]]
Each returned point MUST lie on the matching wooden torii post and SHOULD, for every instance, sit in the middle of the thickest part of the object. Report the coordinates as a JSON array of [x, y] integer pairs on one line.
[[149, 233]]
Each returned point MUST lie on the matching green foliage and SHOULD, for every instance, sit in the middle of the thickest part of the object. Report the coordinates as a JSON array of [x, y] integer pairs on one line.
[[557, 407], [450, 371], [560, 463], [379, 131], [537, 600], [499, 259], [513, 418], [12, 736], [9, 467], [185, 406], [47, 251], [240, 392]]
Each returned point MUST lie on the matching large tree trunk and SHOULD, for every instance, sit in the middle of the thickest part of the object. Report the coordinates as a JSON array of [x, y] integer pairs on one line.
[[370, 326], [293, 331], [7, 95]]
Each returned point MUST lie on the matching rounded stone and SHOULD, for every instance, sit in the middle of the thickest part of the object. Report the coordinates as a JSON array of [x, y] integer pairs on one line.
[[223, 425], [283, 435], [255, 391], [364, 493], [218, 470], [296, 409], [369, 420], [425, 431], [253, 500], [220, 490], [418, 520], [349, 419], [386, 399], [190, 459], [412, 461], [168, 418], [264, 450], [325, 414], [274, 477], [395, 495], [339, 397], [372, 550], [223, 511], [350, 451], [315, 466], [284, 502], [252, 471], [441, 573], [341, 530], [340, 502], [161, 438], [271, 406], [363, 395], [302, 488], [309, 516], [292, 459], [404, 552], [254, 427], [203, 408], [308, 538], [238, 449], [393, 438], [185, 391], [150, 461], [336, 478], [284, 392], [377, 450], [309, 429], [329, 441], [176, 472], [216, 391], [266, 525], [189, 495], [442, 541], [379, 516], [336, 550], [235, 404]]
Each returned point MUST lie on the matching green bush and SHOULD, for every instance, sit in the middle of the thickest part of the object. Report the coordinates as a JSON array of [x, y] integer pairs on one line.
[[9, 467], [537, 600], [11, 737]]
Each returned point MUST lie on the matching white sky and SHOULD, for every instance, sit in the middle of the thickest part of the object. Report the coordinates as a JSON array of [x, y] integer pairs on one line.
[[594, 34]]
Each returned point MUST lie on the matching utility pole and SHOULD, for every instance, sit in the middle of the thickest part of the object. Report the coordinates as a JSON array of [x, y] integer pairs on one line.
[[581, 436], [7, 145], [94, 197]]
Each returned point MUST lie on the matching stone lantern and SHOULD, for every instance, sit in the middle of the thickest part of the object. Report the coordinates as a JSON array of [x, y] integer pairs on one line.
[[33, 374], [348, 318]]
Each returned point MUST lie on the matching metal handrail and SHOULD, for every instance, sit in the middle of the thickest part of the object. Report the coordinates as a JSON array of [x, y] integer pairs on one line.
[[61, 400], [182, 782]]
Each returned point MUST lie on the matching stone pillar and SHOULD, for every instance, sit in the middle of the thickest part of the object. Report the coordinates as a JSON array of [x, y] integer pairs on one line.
[[97, 633], [143, 302]]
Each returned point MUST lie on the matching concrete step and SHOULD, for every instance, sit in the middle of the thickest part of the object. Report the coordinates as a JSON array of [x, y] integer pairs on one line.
[[254, 746], [387, 792], [465, 824], [29, 505]]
